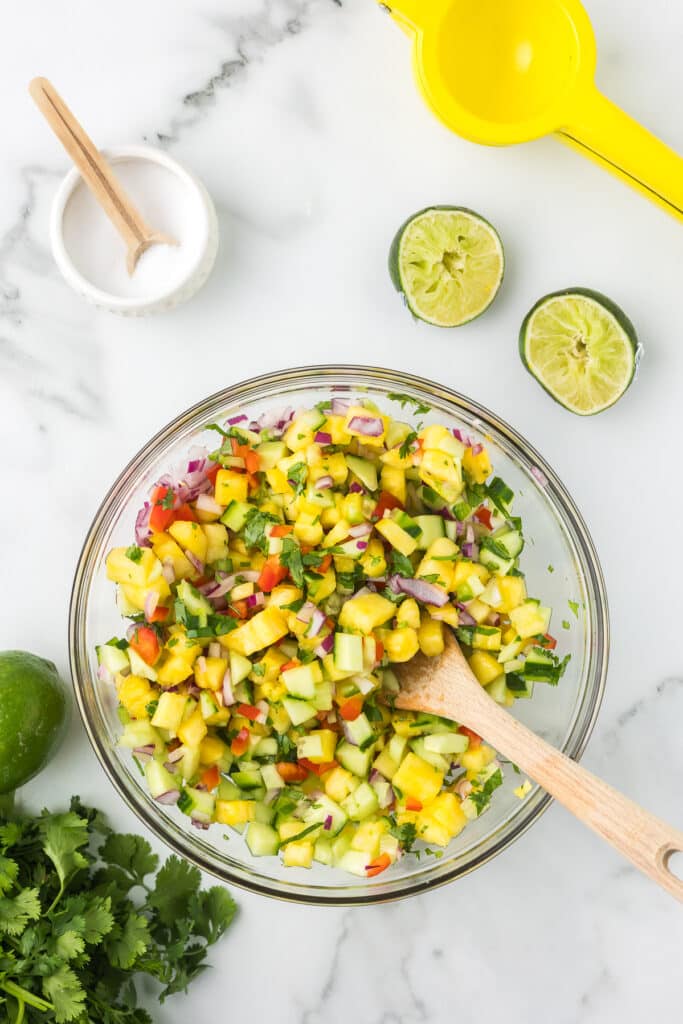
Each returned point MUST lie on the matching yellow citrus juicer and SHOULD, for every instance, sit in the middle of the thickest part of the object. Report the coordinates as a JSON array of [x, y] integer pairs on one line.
[[505, 71]]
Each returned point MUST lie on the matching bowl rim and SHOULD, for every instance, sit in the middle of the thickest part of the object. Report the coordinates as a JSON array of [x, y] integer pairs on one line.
[[346, 374]]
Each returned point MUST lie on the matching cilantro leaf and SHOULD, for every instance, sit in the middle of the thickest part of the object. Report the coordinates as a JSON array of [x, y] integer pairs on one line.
[[290, 556], [66, 994], [254, 528], [405, 833], [213, 911], [400, 564], [126, 943], [297, 476], [482, 792], [407, 446], [9, 869], [176, 883], [134, 553], [404, 400], [16, 912], [63, 837], [132, 854], [574, 605]]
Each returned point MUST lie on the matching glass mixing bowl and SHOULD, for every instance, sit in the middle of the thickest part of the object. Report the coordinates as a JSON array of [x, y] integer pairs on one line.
[[556, 537]]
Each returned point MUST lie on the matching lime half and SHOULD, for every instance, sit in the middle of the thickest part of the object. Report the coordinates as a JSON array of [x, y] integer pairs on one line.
[[581, 347], [448, 263]]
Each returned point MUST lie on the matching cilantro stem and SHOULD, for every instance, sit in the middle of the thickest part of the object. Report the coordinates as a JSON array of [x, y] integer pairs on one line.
[[23, 996], [21, 1007]]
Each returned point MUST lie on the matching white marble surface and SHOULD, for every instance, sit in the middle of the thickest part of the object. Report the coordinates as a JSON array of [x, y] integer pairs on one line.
[[302, 119]]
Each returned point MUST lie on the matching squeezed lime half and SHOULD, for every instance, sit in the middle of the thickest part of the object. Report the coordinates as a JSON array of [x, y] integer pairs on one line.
[[448, 263], [581, 347]]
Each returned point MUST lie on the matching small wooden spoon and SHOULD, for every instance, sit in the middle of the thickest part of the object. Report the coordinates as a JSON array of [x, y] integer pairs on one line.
[[97, 174], [446, 686]]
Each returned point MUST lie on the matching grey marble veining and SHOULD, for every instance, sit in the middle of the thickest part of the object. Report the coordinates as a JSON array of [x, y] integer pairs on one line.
[[301, 117]]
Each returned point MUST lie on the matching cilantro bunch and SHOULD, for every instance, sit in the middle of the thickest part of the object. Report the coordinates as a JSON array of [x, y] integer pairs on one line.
[[81, 915]]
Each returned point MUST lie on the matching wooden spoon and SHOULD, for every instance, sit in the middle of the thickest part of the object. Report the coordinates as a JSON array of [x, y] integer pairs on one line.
[[446, 686], [97, 174]]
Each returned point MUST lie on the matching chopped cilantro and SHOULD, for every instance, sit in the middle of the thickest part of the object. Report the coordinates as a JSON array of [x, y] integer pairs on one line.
[[400, 565], [134, 553], [295, 606], [254, 529], [574, 605], [432, 577], [406, 833], [551, 568], [404, 400], [151, 707], [297, 475], [565, 624], [481, 793], [290, 557], [407, 446], [168, 500]]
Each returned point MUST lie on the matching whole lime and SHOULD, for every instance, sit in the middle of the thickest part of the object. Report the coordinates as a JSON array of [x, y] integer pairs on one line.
[[33, 716]]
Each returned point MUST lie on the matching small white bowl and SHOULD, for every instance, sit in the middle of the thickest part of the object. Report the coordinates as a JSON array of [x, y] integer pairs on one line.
[[163, 299]]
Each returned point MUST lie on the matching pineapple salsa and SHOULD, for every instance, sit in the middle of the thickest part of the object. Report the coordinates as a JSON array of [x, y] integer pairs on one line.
[[271, 587]]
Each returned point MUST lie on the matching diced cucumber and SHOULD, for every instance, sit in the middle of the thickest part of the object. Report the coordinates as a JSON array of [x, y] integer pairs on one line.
[[208, 704], [497, 690], [322, 700], [518, 686], [195, 602], [431, 528], [348, 652], [243, 692], [355, 862], [381, 788], [235, 515], [324, 808], [140, 733], [361, 803], [510, 541], [322, 851], [451, 529], [500, 494], [159, 779], [112, 658], [266, 747], [299, 711], [354, 759], [189, 763], [197, 803], [541, 667], [397, 747], [494, 560], [270, 453], [300, 681], [262, 840], [446, 743], [438, 761], [365, 470], [271, 777], [359, 732], [324, 499], [407, 523], [139, 666], [248, 779], [263, 812], [240, 667]]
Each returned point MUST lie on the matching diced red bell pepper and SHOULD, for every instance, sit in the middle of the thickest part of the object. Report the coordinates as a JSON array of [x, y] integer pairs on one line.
[[484, 517], [238, 610], [291, 772], [212, 473], [161, 516], [386, 503], [317, 769], [378, 865], [412, 804], [160, 614], [351, 708], [324, 565], [184, 514], [145, 642], [379, 650], [240, 742], [474, 737], [281, 530], [272, 573], [248, 711], [549, 642], [292, 663], [211, 777]]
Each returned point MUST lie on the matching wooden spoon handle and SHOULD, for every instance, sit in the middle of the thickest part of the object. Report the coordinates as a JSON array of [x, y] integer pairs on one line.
[[645, 840], [94, 169]]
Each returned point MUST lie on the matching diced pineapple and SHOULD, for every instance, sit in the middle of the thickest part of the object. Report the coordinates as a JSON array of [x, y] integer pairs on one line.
[[212, 750], [309, 532], [209, 672], [366, 612], [322, 588], [367, 837], [298, 855], [180, 645], [404, 723], [430, 637], [530, 619], [512, 590], [486, 638], [339, 783], [317, 746], [360, 411], [277, 481], [235, 812], [191, 537], [441, 820], [475, 758], [401, 644], [135, 693], [272, 661], [464, 569], [334, 426], [408, 614], [417, 778], [230, 486], [478, 610], [337, 534], [283, 594], [385, 764], [373, 561], [263, 630], [478, 467], [132, 565], [193, 730], [396, 536], [352, 508], [393, 481], [485, 666], [170, 711], [446, 613], [137, 596], [166, 549], [217, 541], [173, 670], [331, 465]]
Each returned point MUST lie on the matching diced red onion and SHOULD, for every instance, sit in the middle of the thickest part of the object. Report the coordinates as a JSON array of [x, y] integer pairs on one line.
[[236, 419], [316, 623], [264, 709], [131, 631], [465, 618], [274, 420], [348, 734], [361, 545], [477, 449], [171, 796], [146, 751], [228, 695], [470, 550], [195, 465], [305, 613], [168, 570], [493, 619], [327, 824], [325, 646], [324, 483], [200, 823], [201, 664], [465, 439], [355, 488], [176, 755], [428, 593], [463, 788], [195, 562], [322, 437], [205, 503], [228, 582], [469, 533], [339, 406], [539, 476], [143, 530], [361, 530], [368, 426], [364, 684], [256, 600], [170, 767], [151, 602], [193, 690]]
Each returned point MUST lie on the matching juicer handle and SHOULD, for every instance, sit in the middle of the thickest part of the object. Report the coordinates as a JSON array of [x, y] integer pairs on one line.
[[601, 130]]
